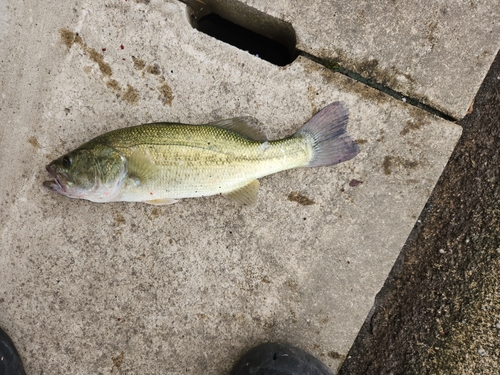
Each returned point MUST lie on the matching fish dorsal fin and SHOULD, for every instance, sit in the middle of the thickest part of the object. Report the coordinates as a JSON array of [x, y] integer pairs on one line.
[[246, 195], [140, 167], [246, 126], [161, 201]]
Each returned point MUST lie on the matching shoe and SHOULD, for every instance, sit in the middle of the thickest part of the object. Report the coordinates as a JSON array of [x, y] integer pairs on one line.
[[279, 359], [10, 362]]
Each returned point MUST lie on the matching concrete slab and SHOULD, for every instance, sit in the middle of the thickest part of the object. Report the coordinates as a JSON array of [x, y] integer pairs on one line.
[[93, 288], [438, 53]]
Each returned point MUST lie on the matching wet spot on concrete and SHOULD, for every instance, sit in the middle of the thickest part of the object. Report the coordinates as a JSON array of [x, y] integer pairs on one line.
[[292, 285], [139, 64], [366, 67], [113, 84], [300, 199], [155, 212], [387, 164], [98, 58], [410, 125], [334, 355], [118, 360], [153, 69], [67, 37], [131, 95], [387, 76], [431, 34], [119, 218], [166, 95], [34, 142], [78, 39], [390, 162]]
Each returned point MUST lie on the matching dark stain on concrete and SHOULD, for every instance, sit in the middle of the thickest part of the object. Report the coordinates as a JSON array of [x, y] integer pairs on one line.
[[98, 58], [300, 199], [166, 95], [139, 64], [390, 162], [67, 37], [419, 119], [153, 69], [387, 164], [334, 355], [119, 219], [118, 361], [431, 34], [34, 142], [155, 212], [113, 84], [410, 125], [361, 141], [292, 285], [131, 95], [367, 67]]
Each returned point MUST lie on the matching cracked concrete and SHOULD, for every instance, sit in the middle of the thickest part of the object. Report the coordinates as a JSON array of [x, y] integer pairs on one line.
[[188, 288]]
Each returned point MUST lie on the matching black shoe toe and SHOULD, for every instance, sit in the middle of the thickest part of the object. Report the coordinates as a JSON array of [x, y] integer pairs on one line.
[[10, 362], [279, 359]]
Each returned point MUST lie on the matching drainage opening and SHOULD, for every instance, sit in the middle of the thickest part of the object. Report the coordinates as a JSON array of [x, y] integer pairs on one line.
[[246, 28]]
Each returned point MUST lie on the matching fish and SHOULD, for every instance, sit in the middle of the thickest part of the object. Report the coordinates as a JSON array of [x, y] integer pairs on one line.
[[161, 163]]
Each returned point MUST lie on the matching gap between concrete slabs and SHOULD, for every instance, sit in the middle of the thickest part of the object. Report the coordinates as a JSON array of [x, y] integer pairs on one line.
[[437, 54], [189, 287]]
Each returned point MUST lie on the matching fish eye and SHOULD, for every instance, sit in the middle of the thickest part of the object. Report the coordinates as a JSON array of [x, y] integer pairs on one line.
[[66, 161]]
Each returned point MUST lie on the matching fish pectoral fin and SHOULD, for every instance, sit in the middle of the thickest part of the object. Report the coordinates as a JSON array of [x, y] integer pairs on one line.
[[245, 126], [161, 202], [246, 195], [140, 167]]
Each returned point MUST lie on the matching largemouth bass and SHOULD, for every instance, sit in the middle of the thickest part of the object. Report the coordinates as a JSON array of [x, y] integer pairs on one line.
[[160, 163]]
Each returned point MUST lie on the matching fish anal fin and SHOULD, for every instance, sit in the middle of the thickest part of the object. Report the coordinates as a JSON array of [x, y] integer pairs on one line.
[[140, 167], [246, 195], [246, 126], [161, 201]]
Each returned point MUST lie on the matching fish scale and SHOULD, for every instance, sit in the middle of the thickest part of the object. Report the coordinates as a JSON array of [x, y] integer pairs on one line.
[[203, 160], [162, 162]]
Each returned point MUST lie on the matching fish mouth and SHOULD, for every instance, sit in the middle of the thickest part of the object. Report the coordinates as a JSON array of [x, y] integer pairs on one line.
[[56, 184]]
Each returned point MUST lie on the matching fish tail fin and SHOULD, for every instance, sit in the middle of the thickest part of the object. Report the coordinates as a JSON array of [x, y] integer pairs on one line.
[[327, 130]]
